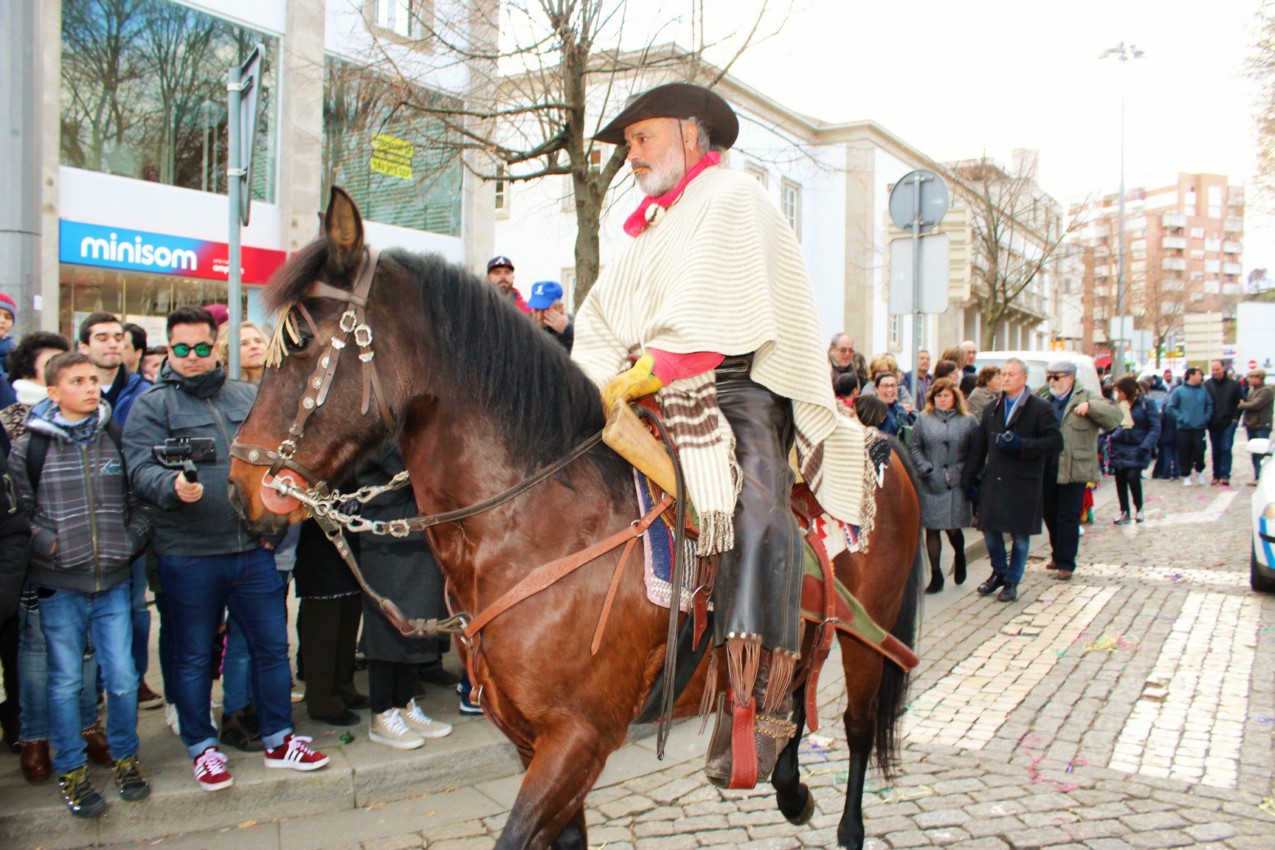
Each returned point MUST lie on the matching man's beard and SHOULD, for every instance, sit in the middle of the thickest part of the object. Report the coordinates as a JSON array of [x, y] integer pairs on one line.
[[660, 177]]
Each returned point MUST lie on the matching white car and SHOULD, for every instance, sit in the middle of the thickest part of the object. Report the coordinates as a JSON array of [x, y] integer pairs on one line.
[[1038, 362], [1261, 575]]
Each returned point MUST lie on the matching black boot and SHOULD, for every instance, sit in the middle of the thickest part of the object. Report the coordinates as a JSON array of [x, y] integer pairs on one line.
[[239, 730], [936, 579], [958, 570], [1009, 592], [994, 582]]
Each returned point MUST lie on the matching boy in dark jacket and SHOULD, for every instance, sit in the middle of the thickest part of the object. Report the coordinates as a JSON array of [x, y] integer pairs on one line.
[[85, 530]]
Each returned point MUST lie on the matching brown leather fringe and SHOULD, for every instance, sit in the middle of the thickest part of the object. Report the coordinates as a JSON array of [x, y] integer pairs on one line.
[[743, 656], [709, 700], [782, 667]]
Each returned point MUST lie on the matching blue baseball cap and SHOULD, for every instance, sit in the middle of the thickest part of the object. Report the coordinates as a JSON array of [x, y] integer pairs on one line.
[[543, 294]]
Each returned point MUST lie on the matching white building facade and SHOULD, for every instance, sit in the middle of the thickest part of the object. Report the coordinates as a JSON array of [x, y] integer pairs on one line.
[[134, 193]]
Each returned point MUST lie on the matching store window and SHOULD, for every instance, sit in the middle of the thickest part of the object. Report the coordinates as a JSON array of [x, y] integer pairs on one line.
[[144, 93], [144, 299], [385, 143]]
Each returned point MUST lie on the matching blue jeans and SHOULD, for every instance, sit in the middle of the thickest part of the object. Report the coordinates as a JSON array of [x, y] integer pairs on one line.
[[1013, 571], [197, 589], [33, 678], [236, 670], [141, 619], [1253, 434], [67, 618], [1166, 461], [1221, 440]]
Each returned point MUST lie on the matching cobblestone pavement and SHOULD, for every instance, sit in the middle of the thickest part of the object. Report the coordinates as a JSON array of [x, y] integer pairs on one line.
[[1130, 708]]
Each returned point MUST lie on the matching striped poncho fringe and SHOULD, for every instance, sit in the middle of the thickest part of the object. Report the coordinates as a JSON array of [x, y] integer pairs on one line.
[[706, 448]]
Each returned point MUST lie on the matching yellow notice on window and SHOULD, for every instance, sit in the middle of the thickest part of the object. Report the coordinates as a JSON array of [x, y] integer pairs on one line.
[[392, 156]]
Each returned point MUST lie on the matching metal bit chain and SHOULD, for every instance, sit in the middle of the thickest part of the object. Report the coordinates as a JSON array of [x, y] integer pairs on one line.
[[328, 507]]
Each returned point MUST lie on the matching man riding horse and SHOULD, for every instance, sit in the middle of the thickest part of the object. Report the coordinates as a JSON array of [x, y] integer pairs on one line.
[[711, 295]]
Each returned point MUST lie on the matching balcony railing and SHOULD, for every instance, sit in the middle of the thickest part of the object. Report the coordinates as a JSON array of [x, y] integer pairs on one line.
[[1173, 264], [1233, 225], [1232, 247], [1231, 268], [1173, 220], [1173, 243]]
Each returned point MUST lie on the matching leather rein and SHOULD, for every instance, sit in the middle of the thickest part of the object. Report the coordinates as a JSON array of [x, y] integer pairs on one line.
[[325, 503]]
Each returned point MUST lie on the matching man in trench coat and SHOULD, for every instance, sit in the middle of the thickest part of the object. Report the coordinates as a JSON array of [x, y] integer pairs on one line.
[[1019, 433]]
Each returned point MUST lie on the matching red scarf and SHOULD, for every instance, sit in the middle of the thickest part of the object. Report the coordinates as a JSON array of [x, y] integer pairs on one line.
[[638, 221]]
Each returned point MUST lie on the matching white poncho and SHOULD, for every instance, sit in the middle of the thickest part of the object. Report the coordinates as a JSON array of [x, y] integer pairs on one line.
[[720, 270]]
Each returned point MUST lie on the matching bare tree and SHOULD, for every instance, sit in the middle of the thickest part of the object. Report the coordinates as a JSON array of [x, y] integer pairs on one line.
[[1018, 235], [1158, 299], [1261, 68], [538, 98]]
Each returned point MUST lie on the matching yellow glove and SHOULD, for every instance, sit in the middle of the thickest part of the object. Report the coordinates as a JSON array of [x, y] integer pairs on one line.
[[632, 384]]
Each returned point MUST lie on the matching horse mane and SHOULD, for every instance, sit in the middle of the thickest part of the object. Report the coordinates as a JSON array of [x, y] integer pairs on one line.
[[487, 348]]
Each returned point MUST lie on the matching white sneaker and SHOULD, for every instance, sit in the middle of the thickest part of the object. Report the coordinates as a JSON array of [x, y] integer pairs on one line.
[[1186, 482], [424, 725], [389, 728], [170, 717], [1199, 478]]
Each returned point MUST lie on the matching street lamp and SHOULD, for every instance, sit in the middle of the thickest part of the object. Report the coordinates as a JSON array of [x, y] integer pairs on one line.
[[1124, 53]]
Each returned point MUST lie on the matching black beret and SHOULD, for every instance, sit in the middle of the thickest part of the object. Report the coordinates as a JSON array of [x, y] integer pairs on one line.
[[676, 100]]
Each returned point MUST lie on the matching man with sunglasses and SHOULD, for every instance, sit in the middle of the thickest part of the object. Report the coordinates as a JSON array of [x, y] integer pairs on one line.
[[1082, 414], [208, 559]]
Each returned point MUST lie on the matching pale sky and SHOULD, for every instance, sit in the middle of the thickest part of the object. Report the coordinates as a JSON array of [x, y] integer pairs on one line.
[[961, 77]]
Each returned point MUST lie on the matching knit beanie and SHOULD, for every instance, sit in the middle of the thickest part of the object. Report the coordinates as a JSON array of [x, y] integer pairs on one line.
[[7, 303]]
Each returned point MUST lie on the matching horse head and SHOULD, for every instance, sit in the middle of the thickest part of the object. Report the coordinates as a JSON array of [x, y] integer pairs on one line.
[[332, 387]]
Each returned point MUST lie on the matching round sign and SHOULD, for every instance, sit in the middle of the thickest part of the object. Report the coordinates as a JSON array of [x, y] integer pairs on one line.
[[934, 200], [1252, 364]]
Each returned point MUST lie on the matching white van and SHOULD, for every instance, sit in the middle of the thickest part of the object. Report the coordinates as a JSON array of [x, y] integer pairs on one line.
[[1038, 363]]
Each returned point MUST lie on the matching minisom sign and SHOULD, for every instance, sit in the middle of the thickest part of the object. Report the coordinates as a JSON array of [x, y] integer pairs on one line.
[[137, 250]]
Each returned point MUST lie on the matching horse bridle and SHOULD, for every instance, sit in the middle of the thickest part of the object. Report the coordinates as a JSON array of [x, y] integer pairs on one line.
[[353, 321]]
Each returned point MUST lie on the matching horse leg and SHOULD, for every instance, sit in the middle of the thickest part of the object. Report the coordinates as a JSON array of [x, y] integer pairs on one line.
[[573, 836], [549, 810], [863, 677], [793, 797]]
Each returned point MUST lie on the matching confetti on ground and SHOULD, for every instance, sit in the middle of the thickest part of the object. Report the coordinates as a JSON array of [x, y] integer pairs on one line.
[[347, 738], [1178, 578], [1110, 643], [816, 745], [905, 795], [1267, 805]]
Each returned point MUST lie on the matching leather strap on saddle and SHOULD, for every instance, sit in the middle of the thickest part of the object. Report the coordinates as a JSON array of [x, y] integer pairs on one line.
[[743, 745]]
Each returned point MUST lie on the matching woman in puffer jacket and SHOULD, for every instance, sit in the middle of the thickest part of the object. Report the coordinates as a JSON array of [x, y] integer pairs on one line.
[[1131, 446]]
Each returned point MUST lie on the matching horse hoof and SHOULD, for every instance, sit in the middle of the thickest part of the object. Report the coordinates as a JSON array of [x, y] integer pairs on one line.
[[807, 811]]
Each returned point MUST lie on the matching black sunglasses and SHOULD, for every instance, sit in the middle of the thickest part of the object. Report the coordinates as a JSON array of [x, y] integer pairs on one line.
[[202, 349], [1058, 377]]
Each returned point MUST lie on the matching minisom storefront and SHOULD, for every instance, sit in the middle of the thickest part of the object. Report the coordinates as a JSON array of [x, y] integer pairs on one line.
[[150, 250]]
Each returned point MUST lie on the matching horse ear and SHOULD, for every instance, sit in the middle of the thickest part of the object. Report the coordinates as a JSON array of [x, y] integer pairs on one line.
[[343, 227]]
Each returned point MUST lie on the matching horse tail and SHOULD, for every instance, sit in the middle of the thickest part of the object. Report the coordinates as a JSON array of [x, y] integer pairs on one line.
[[893, 693]]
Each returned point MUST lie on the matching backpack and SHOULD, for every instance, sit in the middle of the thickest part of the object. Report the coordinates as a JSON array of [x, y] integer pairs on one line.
[[38, 449]]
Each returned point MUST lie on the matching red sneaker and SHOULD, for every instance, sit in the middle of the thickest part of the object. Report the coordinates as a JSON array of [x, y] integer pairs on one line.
[[210, 770], [296, 753]]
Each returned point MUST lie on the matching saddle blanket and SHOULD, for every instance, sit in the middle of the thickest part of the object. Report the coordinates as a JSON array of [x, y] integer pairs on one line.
[[657, 548]]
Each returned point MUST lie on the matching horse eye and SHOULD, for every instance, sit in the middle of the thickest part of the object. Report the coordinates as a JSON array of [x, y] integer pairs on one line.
[[300, 343]]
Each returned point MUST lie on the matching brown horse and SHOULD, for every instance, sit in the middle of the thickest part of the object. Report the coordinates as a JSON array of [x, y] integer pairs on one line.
[[478, 399]]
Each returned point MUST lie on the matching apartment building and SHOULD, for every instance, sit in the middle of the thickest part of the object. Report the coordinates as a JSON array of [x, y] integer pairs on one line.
[[1183, 254]]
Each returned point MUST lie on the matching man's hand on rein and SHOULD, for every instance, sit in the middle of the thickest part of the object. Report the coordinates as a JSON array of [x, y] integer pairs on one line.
[[632, 384]]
